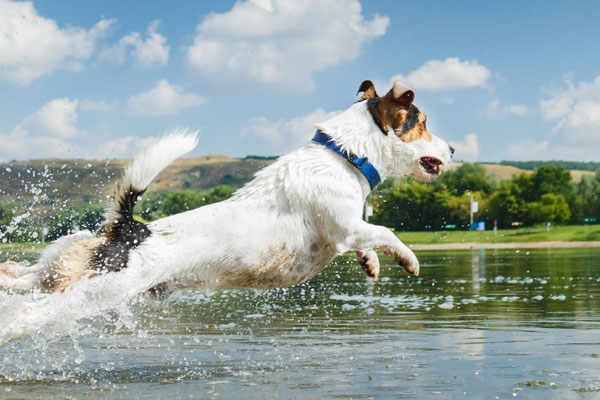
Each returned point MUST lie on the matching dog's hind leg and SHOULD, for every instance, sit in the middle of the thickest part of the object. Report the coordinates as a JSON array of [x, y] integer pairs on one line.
[[369, 262], [14, 276]]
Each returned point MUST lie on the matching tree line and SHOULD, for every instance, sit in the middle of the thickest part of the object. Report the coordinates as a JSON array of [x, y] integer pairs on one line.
[[548, 194], [576, 165]]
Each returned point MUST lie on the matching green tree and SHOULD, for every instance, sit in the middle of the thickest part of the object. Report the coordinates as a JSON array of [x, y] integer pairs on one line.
[[6, 214], [551, 208], [551, 179], [588, 198], [218, 193], [468, 177], [61, 224], [90, 217], [181, 201], [184, 200], [151, 205], [505, 206]]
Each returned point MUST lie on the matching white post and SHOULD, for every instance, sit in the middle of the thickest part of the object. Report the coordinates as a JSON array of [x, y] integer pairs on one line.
[[471, 210]]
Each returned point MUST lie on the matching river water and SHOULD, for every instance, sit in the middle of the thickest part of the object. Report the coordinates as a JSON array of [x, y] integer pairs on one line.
[[481, 324]]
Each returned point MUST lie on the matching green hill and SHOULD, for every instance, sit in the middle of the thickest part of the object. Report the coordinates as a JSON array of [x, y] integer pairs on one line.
[[54, 182]]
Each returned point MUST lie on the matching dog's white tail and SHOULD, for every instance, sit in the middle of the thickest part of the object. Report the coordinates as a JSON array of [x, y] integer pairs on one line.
[[145, 167]]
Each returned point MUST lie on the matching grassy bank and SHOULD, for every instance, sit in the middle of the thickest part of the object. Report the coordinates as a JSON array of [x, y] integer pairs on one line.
[[538, 233], [21, 247], [567, 233]]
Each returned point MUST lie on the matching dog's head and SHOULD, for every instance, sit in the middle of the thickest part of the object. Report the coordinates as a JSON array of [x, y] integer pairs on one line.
[[414, 151]]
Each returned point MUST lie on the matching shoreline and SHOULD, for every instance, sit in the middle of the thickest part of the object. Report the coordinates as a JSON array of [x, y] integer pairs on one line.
[[553, 244], [509, 245]]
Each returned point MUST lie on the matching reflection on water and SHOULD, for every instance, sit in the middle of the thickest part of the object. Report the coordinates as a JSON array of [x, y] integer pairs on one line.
[[475, 324]]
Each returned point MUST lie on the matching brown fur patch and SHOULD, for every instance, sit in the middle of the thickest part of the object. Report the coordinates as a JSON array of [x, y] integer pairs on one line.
[[74, 263], [368, 88], [396, 110]]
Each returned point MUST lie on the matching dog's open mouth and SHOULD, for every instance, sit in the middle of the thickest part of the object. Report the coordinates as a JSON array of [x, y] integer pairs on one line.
[[431, 165]]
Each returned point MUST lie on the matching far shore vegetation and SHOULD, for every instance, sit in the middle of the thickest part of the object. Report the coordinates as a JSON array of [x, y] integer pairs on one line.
[[543, 205]]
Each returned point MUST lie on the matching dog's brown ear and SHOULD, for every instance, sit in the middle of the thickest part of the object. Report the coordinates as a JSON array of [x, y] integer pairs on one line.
[[402, 94], [369, 90]]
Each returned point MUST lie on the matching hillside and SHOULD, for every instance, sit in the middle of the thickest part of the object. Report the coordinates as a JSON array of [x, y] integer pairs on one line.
[[502, 172], [73, 182], [52, 181]]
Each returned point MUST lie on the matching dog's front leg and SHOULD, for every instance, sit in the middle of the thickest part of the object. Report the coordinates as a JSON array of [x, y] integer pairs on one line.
[[364, 237], [369, 262]]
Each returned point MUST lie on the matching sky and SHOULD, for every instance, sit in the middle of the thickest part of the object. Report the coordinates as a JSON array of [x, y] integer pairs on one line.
[[512, 80]]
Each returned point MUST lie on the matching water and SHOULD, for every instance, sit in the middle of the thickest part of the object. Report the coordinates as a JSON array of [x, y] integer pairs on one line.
[[475, 325]]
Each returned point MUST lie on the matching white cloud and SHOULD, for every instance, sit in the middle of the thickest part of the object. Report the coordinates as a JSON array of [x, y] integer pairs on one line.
[[520, 110], [165, 99], [285, 135], [281, 41], [450, 74], [52, 131], [467, 149], [147, 51], [94, 105], [495, 110], [56, 118], [549, 150], [576, 111], [125, 147], [529, 150], [32, 46], [48, 132]]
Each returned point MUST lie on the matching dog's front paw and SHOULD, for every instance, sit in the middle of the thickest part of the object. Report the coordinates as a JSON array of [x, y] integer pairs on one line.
[[369, 262], [408, 261]]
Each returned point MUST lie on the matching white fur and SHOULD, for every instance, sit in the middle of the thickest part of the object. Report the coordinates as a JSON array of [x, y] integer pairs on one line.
[[281, 229], [299, 213]]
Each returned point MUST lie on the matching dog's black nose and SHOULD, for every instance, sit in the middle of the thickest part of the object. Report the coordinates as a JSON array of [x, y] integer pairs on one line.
[[451, 149]]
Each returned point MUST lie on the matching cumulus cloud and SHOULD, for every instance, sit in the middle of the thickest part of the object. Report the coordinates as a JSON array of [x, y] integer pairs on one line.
[[284, 135], [281, 41], [124, 147], [520, 110], [575, 111], [148, 51], [94, 105], [32, 46], [56, 118], [50, 132], [450, 74], [467, 149], [495, 110], [549, 150], [529, 150], [163, 100]]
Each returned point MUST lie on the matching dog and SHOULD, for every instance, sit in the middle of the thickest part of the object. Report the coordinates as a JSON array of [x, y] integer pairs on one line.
[[280, 229]]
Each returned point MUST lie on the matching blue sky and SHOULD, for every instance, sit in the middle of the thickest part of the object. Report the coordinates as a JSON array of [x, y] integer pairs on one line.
[[499, 81]]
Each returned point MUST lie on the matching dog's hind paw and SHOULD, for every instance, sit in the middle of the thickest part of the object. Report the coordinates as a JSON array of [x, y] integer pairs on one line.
[[369, 262]]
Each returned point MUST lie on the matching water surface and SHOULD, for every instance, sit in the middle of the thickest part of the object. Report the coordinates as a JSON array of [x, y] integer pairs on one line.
[[476, 325]]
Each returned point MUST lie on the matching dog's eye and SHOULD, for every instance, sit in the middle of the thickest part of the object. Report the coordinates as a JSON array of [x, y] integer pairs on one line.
[[425, 124]]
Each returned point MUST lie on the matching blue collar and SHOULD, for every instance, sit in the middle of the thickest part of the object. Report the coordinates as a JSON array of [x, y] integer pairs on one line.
[[362, 163]]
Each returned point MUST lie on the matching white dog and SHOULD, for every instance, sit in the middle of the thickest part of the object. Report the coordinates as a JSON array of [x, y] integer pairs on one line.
[[281, 229]]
